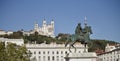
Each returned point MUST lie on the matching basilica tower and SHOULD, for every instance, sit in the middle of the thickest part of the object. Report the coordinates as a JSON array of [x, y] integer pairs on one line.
[[44, 23], [36, 26]]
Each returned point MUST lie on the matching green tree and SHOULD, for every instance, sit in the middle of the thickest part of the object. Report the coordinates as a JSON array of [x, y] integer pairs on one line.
[[13, 52], [62, 37], [2, 52], [99, 44]]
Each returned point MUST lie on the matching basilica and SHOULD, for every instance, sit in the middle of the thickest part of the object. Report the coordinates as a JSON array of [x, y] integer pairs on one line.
[[45, 29]]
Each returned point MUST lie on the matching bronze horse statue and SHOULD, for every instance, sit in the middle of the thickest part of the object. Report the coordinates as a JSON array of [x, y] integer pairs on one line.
[[82, 36]]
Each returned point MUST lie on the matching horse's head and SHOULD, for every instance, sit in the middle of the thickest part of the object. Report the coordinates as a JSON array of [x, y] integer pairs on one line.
[[87, 29]]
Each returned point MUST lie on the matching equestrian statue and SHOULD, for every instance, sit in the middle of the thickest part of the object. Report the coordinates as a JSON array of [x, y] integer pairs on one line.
[[81, 35]]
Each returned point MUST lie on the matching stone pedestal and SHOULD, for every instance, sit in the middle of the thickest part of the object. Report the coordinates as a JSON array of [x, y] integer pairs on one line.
[[88, 56]]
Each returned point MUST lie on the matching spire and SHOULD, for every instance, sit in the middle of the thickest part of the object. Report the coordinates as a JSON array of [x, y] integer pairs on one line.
[[35, 22], [44, 19], [85, 21], [36, 25], [44, 22], [52, 21]]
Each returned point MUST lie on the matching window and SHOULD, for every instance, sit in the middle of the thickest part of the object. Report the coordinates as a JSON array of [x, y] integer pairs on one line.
[[43, 58], [39, 52], [65, 52], [57, 58], [53, 52], [48, 52], [61, 52], [39, 58], [34, 52], [57, 52], [48, 58], [44, 52], [62, 58], [53, 58]]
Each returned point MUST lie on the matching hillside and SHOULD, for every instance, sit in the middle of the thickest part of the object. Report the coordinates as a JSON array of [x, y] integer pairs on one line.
[[60, 38], [100, 44]]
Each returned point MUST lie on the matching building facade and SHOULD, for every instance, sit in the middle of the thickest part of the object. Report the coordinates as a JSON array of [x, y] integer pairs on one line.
[[16, 41], [110, 47], [112, 53], [51, 52], [2, 32]]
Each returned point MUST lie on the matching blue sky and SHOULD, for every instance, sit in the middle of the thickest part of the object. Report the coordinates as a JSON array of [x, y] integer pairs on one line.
[[102, 15]]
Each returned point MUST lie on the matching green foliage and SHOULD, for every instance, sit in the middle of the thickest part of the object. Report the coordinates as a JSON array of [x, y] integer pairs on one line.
[[99, 44], [62, 37], [13, 52], [15, 35], [38, 38], [2, 52]]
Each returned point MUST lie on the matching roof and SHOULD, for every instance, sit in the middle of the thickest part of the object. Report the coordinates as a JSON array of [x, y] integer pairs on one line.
[[109, 51], [1, 30]]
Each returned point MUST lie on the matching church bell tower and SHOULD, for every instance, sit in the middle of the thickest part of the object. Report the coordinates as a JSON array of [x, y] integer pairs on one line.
[[36, 26]]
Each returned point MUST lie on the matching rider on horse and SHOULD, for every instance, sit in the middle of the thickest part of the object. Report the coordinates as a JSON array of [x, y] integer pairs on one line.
[[81, 35], [78, 30]]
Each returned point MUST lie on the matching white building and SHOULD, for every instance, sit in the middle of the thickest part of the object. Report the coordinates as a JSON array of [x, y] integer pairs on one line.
[[112, 54], [109, 48], [2, 32], [45, 29], [16, 41], [51, 52]]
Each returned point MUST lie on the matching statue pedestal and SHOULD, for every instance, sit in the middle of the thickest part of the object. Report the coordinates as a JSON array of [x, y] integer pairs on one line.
[[88, 56]]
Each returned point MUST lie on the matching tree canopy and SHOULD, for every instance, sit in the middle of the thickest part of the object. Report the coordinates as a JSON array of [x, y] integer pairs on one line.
[[100, 44], [13, 52]]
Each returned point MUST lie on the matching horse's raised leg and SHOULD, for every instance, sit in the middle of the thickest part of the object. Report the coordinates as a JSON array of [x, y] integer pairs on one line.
[[66, 44], [85, 45], [73, 46]]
